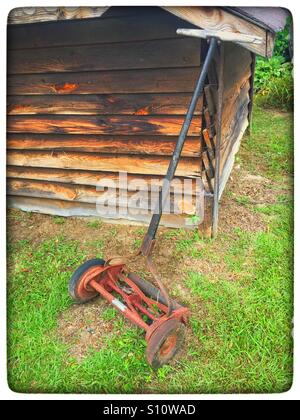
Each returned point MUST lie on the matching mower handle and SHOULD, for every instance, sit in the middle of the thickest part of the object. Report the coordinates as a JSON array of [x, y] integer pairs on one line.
[[148, 241], [220, 35]]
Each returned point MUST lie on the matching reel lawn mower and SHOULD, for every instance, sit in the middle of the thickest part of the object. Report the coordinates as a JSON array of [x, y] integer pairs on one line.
[[145, 305]]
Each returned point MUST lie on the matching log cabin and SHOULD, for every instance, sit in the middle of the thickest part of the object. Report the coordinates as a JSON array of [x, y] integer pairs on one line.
[[95, 91]]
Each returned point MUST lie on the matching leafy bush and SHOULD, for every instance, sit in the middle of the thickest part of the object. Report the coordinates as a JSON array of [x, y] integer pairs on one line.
[[282, 44], [274, 77], [274, 82]]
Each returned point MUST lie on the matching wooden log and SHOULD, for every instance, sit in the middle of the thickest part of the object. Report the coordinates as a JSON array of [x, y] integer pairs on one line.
[[67, 209], [215, 18], [209, 145], [208, 141], [21, 15], [208, 164], [84, 32], [119, 56], [129, 81], [138, 199], [121, 104], [154, 165], [156, 145], [209, 125], [113, 125], [97, 178]]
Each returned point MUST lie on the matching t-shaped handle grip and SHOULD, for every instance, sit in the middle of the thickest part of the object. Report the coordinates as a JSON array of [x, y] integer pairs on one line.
[[221, 35]]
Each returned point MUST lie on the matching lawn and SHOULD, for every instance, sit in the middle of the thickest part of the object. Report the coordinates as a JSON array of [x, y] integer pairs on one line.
[[239, 288]]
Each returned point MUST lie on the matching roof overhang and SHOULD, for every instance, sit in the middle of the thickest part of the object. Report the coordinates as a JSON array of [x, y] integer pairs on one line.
[[245, 21]]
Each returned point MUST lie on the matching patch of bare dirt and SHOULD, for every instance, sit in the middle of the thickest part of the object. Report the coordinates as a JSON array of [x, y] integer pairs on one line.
[[30, 226], [257, 189], [82, 327], [233, 215], [243, 191]]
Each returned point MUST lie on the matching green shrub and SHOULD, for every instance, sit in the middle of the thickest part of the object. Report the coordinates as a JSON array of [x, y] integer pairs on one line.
[[273, 82]]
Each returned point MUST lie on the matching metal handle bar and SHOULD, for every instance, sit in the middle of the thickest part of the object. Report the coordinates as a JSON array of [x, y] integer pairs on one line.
[[147, 243]]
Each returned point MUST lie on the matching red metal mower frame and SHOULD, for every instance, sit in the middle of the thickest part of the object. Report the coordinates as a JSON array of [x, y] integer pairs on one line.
[[105, 280]]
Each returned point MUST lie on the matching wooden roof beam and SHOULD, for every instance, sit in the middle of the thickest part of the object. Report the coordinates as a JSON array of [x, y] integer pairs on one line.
[[209, 18], [215, 18], [22, 15]]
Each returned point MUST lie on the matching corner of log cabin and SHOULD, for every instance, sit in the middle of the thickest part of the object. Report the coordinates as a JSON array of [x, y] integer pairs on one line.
[[88, 98]]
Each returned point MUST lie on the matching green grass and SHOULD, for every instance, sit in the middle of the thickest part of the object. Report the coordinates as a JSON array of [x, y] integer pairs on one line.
[[242, 199], [58, 220], [239, 337], [271, 142], [251, 318], [94, 224]]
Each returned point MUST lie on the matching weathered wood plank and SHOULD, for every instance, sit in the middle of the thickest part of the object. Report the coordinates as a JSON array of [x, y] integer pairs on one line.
[[69, 192], [84, 32], [114, 125], [209, 144], [22, 15], [127, 81], [156, 145], [154, 165], [229, 162], [98, 178], [67, 15], [205, 228], [270, 44], [233, 107], [87, 194], [215, 18], [231, 95], [237, 66], [209, 125], [233, 128], [208, 164], [67, 209], [133, 55], [121, 104]]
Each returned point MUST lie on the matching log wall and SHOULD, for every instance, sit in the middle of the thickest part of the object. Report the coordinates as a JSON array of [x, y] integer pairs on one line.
[[237, 73], [90, 98]]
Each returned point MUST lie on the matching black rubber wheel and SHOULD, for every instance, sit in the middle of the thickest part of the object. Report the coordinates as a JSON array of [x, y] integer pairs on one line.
[[150, 290], [75, 280], [165, 343]]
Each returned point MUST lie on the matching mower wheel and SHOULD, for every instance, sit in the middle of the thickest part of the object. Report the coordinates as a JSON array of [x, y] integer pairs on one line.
[[165, 342], [76, 290], [150, 290]]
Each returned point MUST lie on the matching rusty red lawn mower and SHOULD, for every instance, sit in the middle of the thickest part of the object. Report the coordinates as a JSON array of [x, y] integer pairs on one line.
[[145, 305]]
